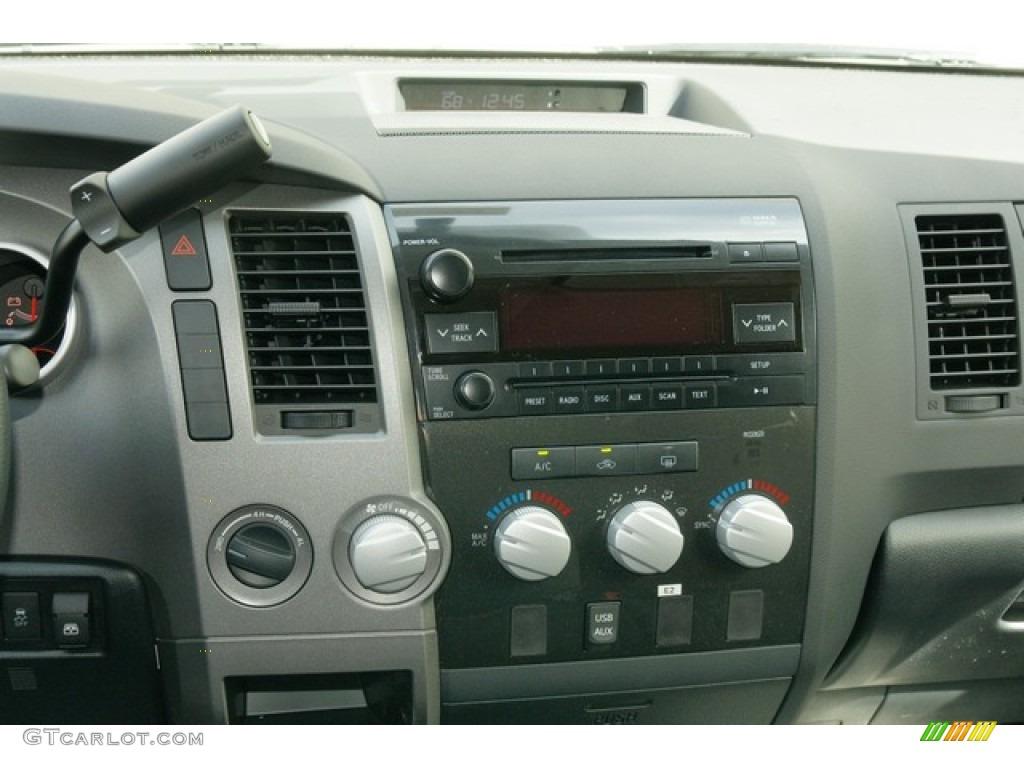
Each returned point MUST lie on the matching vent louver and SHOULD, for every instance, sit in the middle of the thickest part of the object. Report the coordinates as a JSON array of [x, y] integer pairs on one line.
[[306, 322], [971, 301]]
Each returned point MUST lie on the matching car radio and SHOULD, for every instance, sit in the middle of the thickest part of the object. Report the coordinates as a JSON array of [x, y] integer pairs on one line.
[[560, 308], [616, 407]]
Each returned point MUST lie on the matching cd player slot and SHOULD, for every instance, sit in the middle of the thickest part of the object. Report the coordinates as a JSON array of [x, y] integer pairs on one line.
[[639, 253]]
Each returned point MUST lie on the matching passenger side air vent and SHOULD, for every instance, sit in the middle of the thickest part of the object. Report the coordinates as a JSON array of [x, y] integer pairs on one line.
[[307, 328], [970, 300]]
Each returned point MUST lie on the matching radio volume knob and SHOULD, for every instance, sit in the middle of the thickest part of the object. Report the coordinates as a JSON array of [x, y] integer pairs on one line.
[[474, 390], [531, 543], [644, 537], [754, 531], [446, 275]]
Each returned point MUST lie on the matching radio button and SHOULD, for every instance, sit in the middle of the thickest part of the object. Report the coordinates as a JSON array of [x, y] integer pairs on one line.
[[540, 463], [602, 399], [701, 396], [762, 365], [533, 402], [566, 368], [770, 390], [699, 364], [780, 252], [635, 398], [597, 460], [461, 332], [634, 367], [764, 323], [667, 365], [743, 253], [658, 458], [666, 397], [534, 370], [569, 400], [601, 368]]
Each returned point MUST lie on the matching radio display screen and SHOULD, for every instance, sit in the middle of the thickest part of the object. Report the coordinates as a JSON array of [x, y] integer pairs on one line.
[[592, 319]]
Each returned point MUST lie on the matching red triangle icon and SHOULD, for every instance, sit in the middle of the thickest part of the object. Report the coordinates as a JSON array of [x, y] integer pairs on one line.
[[183, 247]]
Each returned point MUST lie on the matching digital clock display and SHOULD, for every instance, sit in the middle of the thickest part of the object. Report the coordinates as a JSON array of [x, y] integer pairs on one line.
[[509, 96]]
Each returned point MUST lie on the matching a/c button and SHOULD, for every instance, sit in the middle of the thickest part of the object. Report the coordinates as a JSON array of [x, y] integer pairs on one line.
[[538, 463]]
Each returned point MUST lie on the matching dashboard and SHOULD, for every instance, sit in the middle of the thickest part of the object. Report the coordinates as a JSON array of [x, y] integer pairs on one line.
[[518, 391]]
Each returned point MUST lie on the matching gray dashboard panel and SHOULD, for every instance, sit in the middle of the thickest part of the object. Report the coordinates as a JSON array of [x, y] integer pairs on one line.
[[851, 146]]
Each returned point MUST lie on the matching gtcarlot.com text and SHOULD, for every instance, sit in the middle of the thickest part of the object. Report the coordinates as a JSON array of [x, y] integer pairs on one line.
[[54, 737]]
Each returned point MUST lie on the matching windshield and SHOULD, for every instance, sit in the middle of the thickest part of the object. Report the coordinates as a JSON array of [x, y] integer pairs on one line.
[[904, 32]]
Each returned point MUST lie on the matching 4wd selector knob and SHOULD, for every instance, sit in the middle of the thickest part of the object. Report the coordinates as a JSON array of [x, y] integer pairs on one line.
[[644, 537], [260, 555], [754, 531], [531, 544], [446, 275], [387, 553]]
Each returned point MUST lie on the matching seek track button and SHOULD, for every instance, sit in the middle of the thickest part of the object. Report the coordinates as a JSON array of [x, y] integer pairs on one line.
[[455, 333]]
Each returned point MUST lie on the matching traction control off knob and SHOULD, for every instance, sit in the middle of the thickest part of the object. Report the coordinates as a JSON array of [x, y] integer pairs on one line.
[[531, 543], [644, 537], [754, 531]]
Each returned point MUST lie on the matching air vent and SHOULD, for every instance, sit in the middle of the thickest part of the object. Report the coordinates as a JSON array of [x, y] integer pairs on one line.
[[306, 323], [970, 300]]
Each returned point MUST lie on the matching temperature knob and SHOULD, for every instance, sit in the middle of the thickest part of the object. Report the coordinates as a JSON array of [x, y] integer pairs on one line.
[[387, 553], [754, 531], [531, 544], [644, 537]]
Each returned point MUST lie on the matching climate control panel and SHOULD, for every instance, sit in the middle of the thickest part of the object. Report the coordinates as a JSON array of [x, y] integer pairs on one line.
[[556, 560]]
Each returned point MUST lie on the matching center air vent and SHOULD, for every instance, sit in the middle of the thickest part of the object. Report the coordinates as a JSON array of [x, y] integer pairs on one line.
[[970, 300], [307, 327]]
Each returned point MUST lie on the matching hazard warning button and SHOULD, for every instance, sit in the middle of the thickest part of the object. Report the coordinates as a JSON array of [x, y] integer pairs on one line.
[[184, 248]]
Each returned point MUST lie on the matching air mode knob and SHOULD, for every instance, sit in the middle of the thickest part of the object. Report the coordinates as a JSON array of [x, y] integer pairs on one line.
[[388, 554], [446, 275], [532, 544], [644, 537], [754, 531]]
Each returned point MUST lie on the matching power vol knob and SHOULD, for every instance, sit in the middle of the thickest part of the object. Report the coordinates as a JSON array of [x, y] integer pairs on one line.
[[531, 543], [754, 531], [644, 538], [446, 275]]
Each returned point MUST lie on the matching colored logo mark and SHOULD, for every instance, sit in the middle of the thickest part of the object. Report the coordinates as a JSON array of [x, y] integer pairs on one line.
[[961, 730]]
